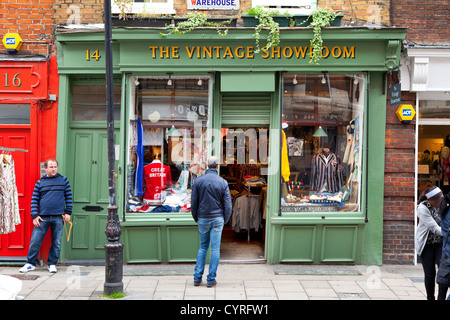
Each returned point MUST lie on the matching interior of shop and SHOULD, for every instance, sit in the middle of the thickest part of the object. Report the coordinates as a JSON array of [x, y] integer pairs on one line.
[[245, 169], [433, 166]]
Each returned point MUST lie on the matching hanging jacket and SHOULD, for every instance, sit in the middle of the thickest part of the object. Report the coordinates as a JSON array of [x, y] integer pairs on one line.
[[51, 196], [326, 172]]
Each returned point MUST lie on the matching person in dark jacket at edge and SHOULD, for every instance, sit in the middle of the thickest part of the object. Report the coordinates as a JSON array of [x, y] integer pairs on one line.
[[211, 209], [444, 209], [51, 205]]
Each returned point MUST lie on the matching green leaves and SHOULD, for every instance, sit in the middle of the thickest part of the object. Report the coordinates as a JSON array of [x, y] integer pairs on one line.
[[266, 21], [320, 18]]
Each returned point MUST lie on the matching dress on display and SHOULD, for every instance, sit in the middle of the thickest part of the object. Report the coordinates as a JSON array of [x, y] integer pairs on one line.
[[9, 201]]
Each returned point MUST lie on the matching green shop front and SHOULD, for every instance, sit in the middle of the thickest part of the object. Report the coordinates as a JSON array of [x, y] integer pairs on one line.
[[301, 145]]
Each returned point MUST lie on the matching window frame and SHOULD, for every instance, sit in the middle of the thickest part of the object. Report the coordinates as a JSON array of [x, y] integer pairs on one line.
[[362, 196], [286, 5], [154, 8], [131, 116]]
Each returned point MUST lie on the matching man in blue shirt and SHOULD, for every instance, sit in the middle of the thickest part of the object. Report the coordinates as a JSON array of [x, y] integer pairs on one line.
[[211, 209], [51, 205]]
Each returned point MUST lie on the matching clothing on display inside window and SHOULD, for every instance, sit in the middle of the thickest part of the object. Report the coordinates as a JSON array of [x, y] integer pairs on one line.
[[322, 123], [167, 146]]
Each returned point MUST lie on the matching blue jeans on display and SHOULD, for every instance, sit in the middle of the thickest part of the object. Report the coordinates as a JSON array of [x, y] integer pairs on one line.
[[210, 231], [56, 223]]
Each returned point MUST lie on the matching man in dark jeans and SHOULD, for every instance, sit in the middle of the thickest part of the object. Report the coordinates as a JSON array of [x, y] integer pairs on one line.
[[211, 209], [51, 205]]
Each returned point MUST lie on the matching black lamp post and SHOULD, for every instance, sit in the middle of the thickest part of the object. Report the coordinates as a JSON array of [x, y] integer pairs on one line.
[[113, 248]]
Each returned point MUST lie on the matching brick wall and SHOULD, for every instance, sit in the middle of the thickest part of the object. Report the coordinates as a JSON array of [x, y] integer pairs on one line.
[[359, 11], [430, 26], [78, 11], [33, 20], [398, 208]]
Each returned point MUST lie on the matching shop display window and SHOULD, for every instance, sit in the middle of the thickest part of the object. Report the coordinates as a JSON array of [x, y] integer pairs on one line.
[[322, 142], [167, 142], [434, 109]]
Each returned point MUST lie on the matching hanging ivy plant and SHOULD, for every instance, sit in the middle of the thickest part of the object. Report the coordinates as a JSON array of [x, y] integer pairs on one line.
[[195, 20], [266, 22], [320, 18]]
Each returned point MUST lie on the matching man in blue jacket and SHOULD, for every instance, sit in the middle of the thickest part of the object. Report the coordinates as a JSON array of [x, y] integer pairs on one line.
[[51, 205], [211, 209]]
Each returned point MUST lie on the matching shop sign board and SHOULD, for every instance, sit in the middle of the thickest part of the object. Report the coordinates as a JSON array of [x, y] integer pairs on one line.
[[213, 4], [395, 94]]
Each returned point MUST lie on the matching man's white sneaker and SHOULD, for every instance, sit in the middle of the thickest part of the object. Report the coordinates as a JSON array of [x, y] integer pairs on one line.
[[27, 267], [52, 268]]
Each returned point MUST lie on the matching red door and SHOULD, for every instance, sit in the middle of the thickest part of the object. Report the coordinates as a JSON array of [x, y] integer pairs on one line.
[[28, 122], [16, 244]]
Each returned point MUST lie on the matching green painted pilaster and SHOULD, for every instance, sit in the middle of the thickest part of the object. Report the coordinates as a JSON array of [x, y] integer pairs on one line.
[[372, 253], [273, 177], [61, 150]]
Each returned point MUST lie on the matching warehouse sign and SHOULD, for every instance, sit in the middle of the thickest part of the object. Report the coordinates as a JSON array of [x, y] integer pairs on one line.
[[213, 4]]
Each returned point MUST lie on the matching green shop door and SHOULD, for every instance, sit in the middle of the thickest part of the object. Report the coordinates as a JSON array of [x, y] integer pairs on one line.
[[88, 167]]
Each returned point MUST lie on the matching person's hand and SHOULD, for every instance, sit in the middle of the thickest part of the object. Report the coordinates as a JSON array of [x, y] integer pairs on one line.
[[37, 220], [66, 217]]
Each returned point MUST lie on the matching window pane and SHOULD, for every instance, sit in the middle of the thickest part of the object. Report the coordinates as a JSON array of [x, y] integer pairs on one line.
[[173, 113], [14, 113], [434, 109], [89, 102], [321, 163]]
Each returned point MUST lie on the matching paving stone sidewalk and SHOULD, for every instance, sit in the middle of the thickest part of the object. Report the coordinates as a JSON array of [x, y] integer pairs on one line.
[[235, 282]]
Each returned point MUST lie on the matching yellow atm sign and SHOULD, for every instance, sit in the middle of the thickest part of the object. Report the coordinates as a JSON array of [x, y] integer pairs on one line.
[[12, 42], [405, 113]]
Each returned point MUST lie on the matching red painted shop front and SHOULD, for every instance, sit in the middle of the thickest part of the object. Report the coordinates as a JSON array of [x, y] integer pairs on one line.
[[28, 122]]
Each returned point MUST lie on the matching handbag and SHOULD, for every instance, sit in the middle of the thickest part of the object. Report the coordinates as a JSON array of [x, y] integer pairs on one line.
[[443, 274]]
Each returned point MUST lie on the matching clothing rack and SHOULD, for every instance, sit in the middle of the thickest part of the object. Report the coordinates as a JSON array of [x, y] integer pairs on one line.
[[12, 149], [249, 186]]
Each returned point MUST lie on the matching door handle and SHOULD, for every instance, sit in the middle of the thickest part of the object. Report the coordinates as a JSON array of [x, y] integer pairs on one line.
[[93, 208]]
